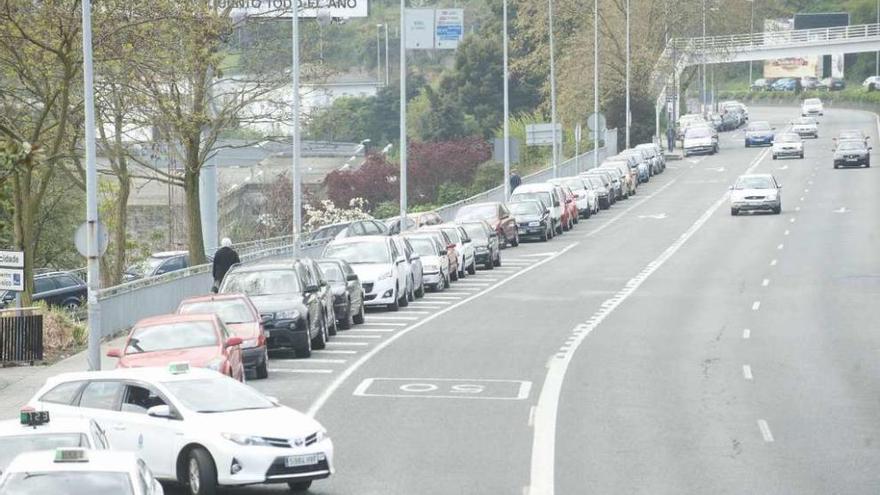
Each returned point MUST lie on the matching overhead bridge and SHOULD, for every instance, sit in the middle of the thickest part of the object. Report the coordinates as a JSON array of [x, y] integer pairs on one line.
[[680, 53]]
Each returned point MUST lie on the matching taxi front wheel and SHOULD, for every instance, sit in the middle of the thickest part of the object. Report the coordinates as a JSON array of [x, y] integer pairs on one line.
[[201, 474], [299, 486]]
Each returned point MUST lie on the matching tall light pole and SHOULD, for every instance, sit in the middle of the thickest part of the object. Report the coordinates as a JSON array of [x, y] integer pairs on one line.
[[877, 55], [627, 74], [703, 64], [92, 247], [752, 33], [596, 82], [553, 92], [506, 111], [294, 130], [379, 54], [387, 76], [402, 115]]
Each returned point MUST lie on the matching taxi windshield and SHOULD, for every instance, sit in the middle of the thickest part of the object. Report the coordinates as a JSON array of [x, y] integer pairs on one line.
[[216, 395], [68, 482], [753, 183], [759, 126], [14, 445], [167, 336]]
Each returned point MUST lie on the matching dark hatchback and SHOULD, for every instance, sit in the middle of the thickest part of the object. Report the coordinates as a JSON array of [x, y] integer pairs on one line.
[[487, 250], [533, 220], [288, 301], [60, 289], [348, 295]]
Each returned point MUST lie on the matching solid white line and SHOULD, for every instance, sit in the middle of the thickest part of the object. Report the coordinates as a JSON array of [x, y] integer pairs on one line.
[[747, 333], [414, 312], [309, 361], [463, 292], [747, 372], [772, 262], [285, 370], [385, 324], [384, 330], [756, 305], [334, 343], [765, 430], [780, 246], [791, 220], [337, 336], [532, 416], [542, 476], [765, 282], [334, 352], [393, 318], [428, 306]]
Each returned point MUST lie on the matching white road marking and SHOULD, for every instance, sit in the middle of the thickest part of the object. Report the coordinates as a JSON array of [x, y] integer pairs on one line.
[[532, 416], [285, 370], [411, 312], [806, 190], [384, 330], [337, 336], [446, 298], [765, 430], [656, 216], [802, 198], [747, 372], [428, 306], [372, 324], [334, 352], [747, 333], [791, 220], [772, 262], [786, 232], [756, 305], [842, 209], [465, 291], [542, 476], [393, 318], [430, 301], [779, 247], [309, 361], [334, 343], [797, 208], [810, 182], [551, 253], [765, 282]]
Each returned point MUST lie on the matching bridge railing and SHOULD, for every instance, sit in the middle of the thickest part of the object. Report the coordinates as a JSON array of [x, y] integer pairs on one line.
[[779, 38]]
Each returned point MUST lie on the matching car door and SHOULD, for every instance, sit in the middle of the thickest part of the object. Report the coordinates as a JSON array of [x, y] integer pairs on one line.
[[310, 300], [100, 400], [415, 263], [325, 293], [398, 264], [232, 353], [155, 440], [508, 224], [353, 287]]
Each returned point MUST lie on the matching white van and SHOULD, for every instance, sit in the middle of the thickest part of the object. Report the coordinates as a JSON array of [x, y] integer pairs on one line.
[[548, 194]]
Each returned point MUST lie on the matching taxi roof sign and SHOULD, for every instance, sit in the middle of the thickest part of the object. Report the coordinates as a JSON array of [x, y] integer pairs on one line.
[[178, 368], [71, 455], [29, 417]]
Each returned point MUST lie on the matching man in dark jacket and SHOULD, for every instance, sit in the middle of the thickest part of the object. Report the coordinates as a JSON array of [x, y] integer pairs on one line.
[[224, 258], [515, 180]]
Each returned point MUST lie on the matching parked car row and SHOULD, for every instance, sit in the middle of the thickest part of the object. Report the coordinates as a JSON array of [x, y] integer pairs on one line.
[[803, 83]]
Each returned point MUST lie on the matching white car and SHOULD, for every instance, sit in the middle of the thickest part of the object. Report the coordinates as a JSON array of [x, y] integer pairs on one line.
[[755, 192], [467, 262], [872, 83], [435, 261], [586, 199], [380, 266], [414, 270], [78, 471], [787, 144], [34, 431], [805, 127], [195, 426], [699, 139], [812, 106]]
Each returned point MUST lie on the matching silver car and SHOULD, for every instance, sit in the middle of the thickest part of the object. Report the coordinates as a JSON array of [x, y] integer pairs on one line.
[[788, 144], [755, 192]]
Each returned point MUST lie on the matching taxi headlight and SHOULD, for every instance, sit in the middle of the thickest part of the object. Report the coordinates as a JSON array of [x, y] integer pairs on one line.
[[287, 315], [245, 439]]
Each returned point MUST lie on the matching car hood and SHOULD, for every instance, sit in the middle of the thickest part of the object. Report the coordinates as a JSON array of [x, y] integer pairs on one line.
[[274, 303], [759, 134], [195, 356], [850, 152], [245, 330], [528, 218], [742, 193], [787, 145], [274, 422], [369, 272], [697, 141]]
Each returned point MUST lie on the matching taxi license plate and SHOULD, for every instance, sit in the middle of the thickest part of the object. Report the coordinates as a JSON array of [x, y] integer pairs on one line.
[[852, 159], [522, 231], [300, 460]]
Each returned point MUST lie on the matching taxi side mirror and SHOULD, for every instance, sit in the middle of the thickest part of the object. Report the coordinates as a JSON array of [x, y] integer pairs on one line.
[[114, 353], [163, 411], [233, 341]]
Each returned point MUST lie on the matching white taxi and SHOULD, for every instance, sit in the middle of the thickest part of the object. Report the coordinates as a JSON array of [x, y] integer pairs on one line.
[[75, 471], [33, 431], [812, 106], [195, 426]]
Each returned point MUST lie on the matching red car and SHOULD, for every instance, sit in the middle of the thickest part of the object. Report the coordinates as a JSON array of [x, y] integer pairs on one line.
[[498, 217], [240, 315], [201, 340], [569, 208]]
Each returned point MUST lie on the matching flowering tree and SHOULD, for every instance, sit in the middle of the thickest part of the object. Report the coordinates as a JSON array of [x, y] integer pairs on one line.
[[328, 213], [375, 181]]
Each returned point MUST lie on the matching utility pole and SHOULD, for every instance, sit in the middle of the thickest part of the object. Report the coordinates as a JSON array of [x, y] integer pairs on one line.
[[506, 111], [294, 132], [387, 76], [877, 55], [628, 119], [553, 93], [92, 247], [379, 54], [752, 33], [703, 63], [596, 82], [402, 115]]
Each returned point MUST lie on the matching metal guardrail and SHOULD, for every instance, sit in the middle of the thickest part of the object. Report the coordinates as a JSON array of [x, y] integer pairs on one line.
[[776, 39]]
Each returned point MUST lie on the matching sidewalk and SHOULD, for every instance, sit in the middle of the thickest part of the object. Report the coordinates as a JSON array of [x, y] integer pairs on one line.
[[19, 383]]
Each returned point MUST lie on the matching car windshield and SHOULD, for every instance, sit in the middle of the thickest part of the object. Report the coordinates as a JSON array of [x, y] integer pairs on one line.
[[359, 252], [216, 395], [812, 101], [543, 197], [453, 235], [478, 212], [754, 183], [759, 126], [261, 282], [851, 145], [475, 231], [146, 266], [850, 135], [423, 246], [332, 272], [698, 132], [788, 138], [574, 184], [525, 208], [168, 336], [228, 310], [14, 445], [67, 482], [804, 121]]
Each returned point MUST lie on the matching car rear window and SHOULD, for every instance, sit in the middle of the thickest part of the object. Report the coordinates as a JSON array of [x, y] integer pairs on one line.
[[91, 482]]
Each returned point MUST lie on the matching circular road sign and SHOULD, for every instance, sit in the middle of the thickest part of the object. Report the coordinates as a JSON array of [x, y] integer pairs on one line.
[[81, 239], [596, 121]]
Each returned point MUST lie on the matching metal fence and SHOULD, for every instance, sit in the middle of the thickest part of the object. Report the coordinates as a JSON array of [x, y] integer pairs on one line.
[[21, 337], [123, 305]]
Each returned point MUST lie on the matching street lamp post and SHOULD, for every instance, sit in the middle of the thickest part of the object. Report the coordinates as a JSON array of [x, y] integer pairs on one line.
[[877, 55], [703, 64], [379, 54], [402, 115], [553, 92], [294, 132], [596, 83], [627, 75], [387, 77], [752, 33], [506, 111]]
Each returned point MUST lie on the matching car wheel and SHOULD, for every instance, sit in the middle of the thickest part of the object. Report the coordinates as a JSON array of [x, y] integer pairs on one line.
[[320, 340], [359, 318], [299, 486], [346, 323], [421, 292], [497, 261], [263, 366], [490, 263], [774, 156], [71, 305], [748, 145], [836, 165], [403, 301], [777, 210], [472, 270], [545, 236], [305, 352], [201, 473], [446, 281], [516, 239], [411, 293], [395, 306], [734, 211], [332, 329], [453, 276]]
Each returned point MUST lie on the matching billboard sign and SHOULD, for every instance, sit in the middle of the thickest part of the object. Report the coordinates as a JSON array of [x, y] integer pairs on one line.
[[343, 9], [449, 28], [791, 67], [419, 29]]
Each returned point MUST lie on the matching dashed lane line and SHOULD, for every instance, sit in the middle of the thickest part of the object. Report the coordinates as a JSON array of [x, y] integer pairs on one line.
[[747, 372], [304, 371], [368, 330], [765, 430], [756, 305], [746, 333]]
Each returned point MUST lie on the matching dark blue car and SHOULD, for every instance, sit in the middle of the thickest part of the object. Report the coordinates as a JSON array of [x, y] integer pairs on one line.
[[785, 84], [759, 134]]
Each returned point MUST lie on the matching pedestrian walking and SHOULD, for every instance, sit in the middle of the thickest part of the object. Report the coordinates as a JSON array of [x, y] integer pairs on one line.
[[670, 138], [224, 258], [515, 180]]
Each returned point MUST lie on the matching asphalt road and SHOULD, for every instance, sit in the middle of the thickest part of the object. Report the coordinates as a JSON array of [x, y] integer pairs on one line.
[[663, 346]]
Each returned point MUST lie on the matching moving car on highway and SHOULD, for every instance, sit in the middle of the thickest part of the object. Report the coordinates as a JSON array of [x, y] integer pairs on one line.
[[287, 299], [788, 144], [533, 220], [379, 264], [36, 430], [435, 259], [195, 426], [487, 251], [852, 135], [805, 127], [812, 107], [755, 192], [759, 133], [76, 471], [852, 154], [699, 140], [240, 316], [496, 214], [200, 339], [348, 295]]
